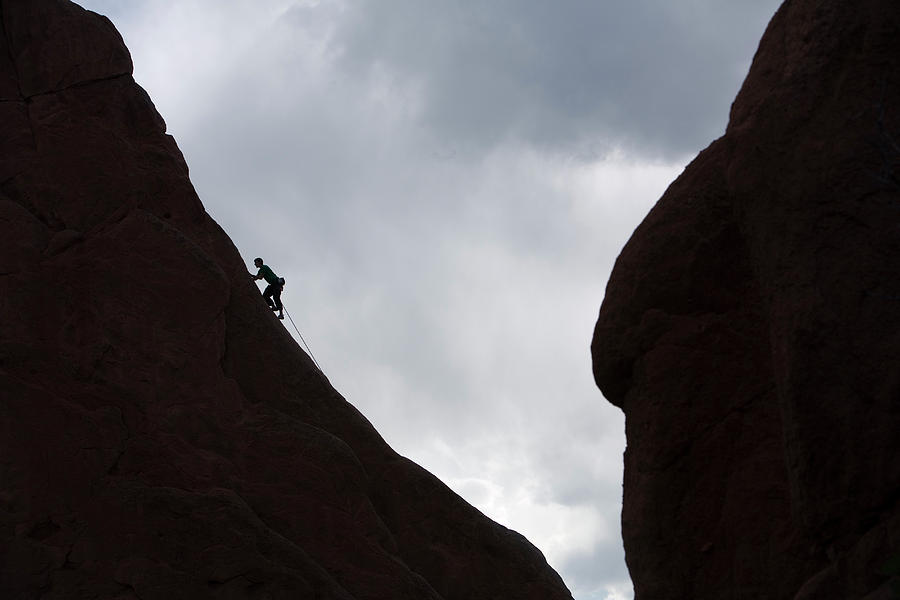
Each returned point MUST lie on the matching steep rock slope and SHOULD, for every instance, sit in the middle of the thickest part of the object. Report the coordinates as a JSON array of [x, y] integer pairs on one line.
[[751, 331], [161, 435]]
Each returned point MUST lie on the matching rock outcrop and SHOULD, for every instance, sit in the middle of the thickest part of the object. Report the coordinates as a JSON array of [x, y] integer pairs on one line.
[[751, 331], [161, 434]]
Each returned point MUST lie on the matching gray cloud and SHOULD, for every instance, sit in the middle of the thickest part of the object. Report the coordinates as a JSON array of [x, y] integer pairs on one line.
[[565, 75], [596, 571]]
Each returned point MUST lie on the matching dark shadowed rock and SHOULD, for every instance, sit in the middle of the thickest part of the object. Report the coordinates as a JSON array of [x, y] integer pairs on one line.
[[161, 435], [751, 331]]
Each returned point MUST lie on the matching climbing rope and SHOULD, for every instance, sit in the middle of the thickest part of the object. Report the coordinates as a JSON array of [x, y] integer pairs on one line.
[[304, 341]]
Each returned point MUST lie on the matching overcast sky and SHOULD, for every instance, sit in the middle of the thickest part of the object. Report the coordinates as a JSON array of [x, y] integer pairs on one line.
[[445, 187]]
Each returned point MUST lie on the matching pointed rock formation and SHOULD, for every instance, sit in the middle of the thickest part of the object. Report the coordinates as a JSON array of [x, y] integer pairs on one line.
[[751, 331], [161, 434]]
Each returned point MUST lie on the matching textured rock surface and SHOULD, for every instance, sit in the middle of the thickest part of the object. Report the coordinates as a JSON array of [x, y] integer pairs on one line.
[[751, 331], [161, 435]]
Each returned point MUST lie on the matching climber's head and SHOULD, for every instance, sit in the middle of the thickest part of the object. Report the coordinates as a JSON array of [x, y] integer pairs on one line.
[[258, 262]]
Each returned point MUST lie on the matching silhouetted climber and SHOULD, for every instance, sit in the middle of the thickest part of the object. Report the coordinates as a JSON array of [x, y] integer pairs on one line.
[[272, 293]]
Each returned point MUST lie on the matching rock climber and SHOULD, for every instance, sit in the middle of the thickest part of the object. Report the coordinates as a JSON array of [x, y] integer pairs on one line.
[[272, 293]]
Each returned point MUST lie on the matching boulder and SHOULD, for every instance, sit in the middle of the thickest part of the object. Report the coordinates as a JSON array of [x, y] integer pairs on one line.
[[750, 331], [161, 434]]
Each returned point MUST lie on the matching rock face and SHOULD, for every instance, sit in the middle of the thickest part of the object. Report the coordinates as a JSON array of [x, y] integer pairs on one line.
[[161, 435], [751, 331]]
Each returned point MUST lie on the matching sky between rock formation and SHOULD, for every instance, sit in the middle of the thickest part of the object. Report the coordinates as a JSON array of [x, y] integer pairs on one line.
[[445, 187]]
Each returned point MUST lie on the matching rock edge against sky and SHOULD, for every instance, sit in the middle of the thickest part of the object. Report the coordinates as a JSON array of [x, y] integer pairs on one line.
[[162, 434], [751, 332]]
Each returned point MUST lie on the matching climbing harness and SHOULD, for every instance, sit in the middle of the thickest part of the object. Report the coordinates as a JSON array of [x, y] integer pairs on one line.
[[304, 341]]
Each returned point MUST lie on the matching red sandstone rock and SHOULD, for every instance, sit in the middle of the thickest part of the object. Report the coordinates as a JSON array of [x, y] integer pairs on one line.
[[751, 331], [152, 449]]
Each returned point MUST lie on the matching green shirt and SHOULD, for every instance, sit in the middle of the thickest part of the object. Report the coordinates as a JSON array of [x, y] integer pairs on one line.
[[267, 274]]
